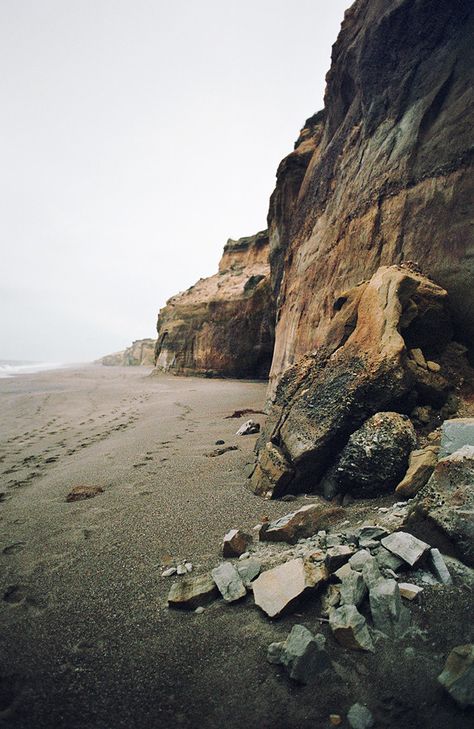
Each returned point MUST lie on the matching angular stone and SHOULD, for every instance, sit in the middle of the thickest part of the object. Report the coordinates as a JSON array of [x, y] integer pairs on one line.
[[228, 582], [343, 571], [371, 573], [278, 589], [418, 357], [406, 546], [455, 434], [388, 613], [439, 568], [353, 589], [433, 366], [408, 590], [458, 675], [273, 473], [420, 467], [249, 428], [371, 531], [337, 556], [350, 628], [388, 560], [330, 598], [248, 570], [80, 493], [235, 543], [192, 592], [359, 717], [359, 559], [299, 524], [303, 654]]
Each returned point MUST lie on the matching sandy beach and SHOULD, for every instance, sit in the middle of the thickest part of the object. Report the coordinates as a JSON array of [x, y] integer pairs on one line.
[[87, 639]]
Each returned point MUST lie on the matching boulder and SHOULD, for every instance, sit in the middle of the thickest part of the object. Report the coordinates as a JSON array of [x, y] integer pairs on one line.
[[350, 628], [406, 546], [353, 589], [248, 570], [447, 502], [277, 590], [273, 472], [374, 459], [337, 556], [455, 434], [235, 543], [420, 467], [458, 675], [388, 613], [299, 524], [192, 592], [228, 582], [303, 654], [359, 559]]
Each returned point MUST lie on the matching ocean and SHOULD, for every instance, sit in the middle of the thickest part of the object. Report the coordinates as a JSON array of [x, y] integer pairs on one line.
[[12, 368]]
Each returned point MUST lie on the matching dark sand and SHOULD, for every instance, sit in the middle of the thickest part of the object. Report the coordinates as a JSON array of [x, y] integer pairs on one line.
[[87, 640]]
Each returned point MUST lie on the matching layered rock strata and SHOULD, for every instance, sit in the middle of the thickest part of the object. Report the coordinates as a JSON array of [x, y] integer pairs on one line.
[[141, 352], [320, 433], [223, 325], [383, 174]]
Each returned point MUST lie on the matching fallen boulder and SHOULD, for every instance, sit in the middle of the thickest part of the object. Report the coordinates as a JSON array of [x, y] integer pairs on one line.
[[455, 434], [420, 467], [353, 589], [248, 570], [388, 613], [458, 675], [303, 654], [235, 543], [406, 546], [299, 524], [349, 628], [228, 582], [192, 592], [277, 590]]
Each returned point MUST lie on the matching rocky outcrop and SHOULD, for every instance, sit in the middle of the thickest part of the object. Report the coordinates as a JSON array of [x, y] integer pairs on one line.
[[141, 352], [223, 325], [383, 175], [320, 433]]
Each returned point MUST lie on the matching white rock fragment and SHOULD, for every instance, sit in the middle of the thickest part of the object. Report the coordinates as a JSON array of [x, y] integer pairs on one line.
[[181, 570], [409, 591], [406, 546], [169, 572]]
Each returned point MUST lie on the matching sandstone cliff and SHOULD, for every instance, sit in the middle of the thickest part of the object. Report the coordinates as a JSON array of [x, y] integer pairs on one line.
[[383, 174], [141, 352], [223, 325]]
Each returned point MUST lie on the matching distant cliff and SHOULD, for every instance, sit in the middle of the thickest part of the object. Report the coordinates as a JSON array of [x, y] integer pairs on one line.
[[223, 325], [141, 352], [383, 174]]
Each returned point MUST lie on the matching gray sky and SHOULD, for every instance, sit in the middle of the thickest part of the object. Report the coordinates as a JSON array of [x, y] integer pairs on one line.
[[136, 137]]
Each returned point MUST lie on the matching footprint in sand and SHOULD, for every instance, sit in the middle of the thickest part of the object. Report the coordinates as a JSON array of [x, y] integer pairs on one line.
[[13, 548]]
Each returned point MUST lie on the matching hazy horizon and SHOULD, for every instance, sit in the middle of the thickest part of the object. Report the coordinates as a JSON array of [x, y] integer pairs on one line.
[[136, 139]]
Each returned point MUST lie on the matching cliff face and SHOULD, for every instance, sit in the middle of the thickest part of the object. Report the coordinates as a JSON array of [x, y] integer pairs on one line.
[[141, 352], [223, 325], [384, 174]]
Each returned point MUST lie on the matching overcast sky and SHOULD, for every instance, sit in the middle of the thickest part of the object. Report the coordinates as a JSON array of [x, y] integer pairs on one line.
[[136, 137]]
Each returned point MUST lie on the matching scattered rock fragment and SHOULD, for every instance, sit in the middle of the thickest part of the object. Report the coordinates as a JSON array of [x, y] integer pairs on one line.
[[371, 573], [335, 719], [220, 451], [359, 717], [249, 428], [455, 434], [276, 590], [192, 592], [406, 546], [168, 572], [350, 628], [359, 559], [228, 582], [235, 543], [408, 590], [420, 467], [438, 565], [388, 560], [458, 675], [388, 613], [181, 570], [249, 570], [303, 654], [299, 524], [353, 589], [79, 493], [338, 556]]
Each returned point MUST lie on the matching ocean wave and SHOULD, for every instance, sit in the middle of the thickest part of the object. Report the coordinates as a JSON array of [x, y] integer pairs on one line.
[[11, 368]]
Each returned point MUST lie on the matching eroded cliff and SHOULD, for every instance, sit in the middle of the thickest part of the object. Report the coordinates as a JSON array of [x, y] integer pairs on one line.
[[224, 324], [384, 174], [140, 352]]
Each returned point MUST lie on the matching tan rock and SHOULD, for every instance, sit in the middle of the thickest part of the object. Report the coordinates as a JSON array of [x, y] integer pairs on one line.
[[140, 352], [277, 590], [79, 493], [433, 366], [420, 468], [273, 472], [418, 357], [192, 592], [299, 524], [409, 591]]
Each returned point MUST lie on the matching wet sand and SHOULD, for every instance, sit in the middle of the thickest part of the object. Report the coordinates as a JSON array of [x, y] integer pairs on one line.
[[87, 640]]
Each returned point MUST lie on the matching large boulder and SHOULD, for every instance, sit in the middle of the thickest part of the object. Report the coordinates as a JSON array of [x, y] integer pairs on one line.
[[374, 459], [364, 368]]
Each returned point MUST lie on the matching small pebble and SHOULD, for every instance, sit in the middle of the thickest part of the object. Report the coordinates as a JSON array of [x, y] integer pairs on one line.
[[335, 719], [220, 442], [181, 569], [199, 610], [383, 509], [189, 566], [245, 555]]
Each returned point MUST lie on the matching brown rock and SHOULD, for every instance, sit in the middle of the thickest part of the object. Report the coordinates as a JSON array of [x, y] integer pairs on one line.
[[299, 524], [278, 590], [273, 473], [235, 543], [223, 325], [192, 592], [79, 493], [420, 468]]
